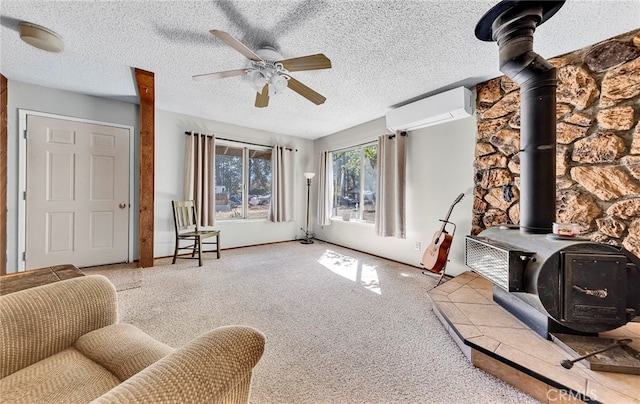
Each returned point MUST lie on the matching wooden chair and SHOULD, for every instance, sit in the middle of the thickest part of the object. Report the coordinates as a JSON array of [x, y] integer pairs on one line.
[[185, 218]]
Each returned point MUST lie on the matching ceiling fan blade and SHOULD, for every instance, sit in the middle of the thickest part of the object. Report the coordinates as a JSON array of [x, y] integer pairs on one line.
[[305, 91], [220, 75], [262, 99], [311, 62], [235, 44]]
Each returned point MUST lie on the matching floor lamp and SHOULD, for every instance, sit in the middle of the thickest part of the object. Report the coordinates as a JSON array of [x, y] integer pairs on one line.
[[307, 235]]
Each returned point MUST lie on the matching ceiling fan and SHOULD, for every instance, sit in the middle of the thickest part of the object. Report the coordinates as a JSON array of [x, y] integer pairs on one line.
[[268, 73]]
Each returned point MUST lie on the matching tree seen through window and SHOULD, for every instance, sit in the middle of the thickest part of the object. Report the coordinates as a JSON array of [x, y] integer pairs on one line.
[[355, 176], [236, 166]]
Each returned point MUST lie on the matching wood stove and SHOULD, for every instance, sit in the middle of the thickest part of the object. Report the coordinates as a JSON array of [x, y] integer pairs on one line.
[[557, 285]]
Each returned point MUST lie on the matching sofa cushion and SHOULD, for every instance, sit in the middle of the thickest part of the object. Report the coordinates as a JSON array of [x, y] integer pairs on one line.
[[215, 367], [39, 322], [123, 349], [66, 377]]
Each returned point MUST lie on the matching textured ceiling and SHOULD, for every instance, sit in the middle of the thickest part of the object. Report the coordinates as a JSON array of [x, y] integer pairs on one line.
[[384, 53]]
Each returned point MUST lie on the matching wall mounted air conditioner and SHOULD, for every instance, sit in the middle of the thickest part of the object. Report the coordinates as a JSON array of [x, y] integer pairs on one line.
[[444, 107]]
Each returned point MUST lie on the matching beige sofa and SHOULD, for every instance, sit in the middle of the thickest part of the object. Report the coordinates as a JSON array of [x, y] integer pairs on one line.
[[62, 343]]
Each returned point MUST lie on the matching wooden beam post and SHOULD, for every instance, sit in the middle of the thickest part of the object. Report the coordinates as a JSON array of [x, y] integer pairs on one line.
[[146, 92], [4, 97]]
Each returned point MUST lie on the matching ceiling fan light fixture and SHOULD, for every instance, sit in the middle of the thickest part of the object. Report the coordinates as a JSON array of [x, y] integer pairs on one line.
[[40, 37], [256, 79], [277, 84], [266, 67]]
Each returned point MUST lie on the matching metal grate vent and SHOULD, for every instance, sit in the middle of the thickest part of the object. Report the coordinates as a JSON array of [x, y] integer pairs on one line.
[[488, 261], [499, 263]]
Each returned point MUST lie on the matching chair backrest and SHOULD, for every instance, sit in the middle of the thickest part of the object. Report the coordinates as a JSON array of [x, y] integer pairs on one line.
[[185, 217]]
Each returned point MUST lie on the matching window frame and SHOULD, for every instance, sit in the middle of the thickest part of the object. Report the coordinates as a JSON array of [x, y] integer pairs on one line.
[[245, 181], [362, 183]]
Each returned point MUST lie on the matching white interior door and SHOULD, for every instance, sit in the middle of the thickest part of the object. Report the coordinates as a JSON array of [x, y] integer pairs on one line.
[[77, 200]]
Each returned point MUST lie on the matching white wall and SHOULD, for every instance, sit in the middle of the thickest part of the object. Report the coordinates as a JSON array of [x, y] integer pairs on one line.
[[169, 171], [439, 168], [169, 164], [64, 103]]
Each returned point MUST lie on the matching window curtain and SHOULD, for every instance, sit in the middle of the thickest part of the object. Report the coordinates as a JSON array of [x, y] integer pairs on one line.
[[199, 178], [281, 209], [325, 188], [390, 218]]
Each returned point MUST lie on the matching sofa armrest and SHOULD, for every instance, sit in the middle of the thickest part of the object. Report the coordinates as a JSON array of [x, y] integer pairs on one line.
[[215, 367], [39, 322]]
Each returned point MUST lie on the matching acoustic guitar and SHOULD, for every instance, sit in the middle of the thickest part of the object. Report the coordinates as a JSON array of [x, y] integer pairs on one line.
[[435, 256]]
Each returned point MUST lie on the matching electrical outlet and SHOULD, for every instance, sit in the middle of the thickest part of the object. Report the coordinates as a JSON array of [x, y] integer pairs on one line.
[[418, 246]]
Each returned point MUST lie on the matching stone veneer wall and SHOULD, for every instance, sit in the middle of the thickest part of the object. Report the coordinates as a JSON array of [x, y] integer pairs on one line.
[[598, 144]]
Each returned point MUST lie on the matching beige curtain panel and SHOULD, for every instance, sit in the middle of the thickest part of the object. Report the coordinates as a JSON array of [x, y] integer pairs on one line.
[[390, 219], [325, 188], [281, 209], [199, 178]]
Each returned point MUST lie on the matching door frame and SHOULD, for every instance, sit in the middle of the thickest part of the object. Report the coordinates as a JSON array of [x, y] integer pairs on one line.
[[22, 177]]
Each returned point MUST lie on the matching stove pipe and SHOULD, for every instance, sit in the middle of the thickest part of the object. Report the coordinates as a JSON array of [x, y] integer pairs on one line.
[[512, 24]]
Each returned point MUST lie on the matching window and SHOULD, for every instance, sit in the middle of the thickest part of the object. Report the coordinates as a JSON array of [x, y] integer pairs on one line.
[[243, 181], [355, 176]]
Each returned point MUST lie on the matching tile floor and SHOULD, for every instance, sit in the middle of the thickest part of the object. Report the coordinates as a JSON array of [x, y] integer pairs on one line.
[[497, 342]]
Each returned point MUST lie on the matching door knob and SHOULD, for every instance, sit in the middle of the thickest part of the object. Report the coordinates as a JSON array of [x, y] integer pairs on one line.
[[122, 205]]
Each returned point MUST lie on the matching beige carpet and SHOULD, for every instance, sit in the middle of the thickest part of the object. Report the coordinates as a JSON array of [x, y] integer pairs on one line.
[[341, 326]]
